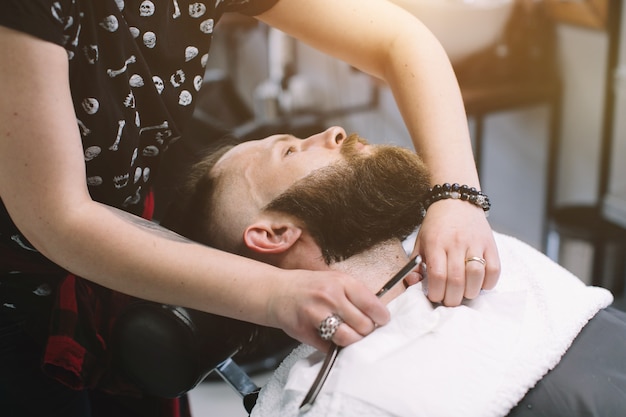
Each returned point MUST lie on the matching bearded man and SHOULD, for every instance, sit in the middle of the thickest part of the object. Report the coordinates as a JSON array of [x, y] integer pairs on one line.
[[541, 343]]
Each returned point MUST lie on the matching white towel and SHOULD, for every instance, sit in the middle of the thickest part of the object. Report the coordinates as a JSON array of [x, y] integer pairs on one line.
[[478, 359]]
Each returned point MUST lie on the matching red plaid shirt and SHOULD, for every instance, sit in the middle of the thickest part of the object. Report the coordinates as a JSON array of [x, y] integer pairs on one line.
[[77, 351]]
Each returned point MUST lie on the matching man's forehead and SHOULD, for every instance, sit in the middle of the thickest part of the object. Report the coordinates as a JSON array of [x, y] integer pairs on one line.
[[246, 152], [245, 172]]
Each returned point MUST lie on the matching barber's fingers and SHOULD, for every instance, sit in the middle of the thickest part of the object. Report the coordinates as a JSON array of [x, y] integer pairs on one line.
[[482, 272], [446, 277], [304, 299], [452, 278], [354, 303], [474, 276], [492, 267], [353, 328], [346, 335], [363, 305], [415, 276], [361, 312]]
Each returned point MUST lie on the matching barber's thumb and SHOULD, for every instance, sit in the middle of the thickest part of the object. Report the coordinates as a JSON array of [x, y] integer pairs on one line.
[[413, 278]]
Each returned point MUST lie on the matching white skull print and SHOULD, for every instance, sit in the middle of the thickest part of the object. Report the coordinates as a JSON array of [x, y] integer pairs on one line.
[[146, 174], [134, 31], [190, 53], [185, 98], [135, 80], [158, 83], [207, 26], [91, 105], [146, 8], [110, 23], [197, 82], [149, 39], [92, 152], [120, 4], [150, 150], [197, 10]]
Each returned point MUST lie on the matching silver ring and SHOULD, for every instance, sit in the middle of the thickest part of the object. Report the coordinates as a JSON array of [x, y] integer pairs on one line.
[[329, 326], [476, 259]]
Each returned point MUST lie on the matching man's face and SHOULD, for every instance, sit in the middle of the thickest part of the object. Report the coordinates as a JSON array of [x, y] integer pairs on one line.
[[349, 194], [351, 206], [264, 168], [253, 173]]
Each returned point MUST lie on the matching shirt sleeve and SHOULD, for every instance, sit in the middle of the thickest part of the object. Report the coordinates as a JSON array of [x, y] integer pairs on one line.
[[250, 7], [44, 19]]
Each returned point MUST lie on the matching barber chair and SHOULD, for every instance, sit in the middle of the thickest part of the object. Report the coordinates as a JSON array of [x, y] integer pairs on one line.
[[166, 351]]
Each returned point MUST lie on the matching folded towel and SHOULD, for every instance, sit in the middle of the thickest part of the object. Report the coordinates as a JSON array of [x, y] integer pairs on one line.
[[478, 359]]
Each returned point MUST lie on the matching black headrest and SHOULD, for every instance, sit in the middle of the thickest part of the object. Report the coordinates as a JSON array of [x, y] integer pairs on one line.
[[167, 350]]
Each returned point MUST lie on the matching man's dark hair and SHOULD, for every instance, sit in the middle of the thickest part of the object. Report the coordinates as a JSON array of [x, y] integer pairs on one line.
[[189, 213], [188, 216]]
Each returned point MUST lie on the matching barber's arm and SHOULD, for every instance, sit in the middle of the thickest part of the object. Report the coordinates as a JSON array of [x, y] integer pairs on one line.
[[43, 186], [385, 41]]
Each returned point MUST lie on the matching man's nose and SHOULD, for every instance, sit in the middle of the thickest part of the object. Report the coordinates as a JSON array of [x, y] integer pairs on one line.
[[330, 138]]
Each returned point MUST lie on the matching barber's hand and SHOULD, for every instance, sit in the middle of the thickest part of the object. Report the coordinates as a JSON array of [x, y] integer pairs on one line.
[[453, 232], [311, 296]]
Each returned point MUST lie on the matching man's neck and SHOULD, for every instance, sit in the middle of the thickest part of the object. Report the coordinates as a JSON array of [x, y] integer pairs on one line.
[[376, 266]]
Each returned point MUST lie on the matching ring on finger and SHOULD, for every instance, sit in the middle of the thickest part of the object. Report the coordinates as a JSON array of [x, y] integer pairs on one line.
[[328, 327], [476, 259]]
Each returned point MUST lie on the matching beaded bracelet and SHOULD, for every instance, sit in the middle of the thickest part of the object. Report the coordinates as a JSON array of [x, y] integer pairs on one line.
[[458, 192]]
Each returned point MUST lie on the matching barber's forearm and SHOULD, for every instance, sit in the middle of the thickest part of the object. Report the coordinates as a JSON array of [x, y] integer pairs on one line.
[[137, 257], [427, 93]]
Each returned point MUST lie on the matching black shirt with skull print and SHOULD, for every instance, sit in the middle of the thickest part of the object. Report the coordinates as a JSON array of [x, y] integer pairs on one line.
[[135, 68]]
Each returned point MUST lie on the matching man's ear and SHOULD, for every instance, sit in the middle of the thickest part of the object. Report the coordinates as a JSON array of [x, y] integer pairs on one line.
[[271, 237]]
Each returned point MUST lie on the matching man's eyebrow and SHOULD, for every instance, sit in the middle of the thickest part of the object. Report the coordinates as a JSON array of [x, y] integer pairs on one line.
[[275, 148], [282, 138]]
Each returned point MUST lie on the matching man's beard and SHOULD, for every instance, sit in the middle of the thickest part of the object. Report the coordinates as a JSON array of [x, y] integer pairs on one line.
[[351, 206]]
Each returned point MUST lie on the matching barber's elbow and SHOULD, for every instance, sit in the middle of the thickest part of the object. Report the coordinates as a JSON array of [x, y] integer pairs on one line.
[[49, 229]]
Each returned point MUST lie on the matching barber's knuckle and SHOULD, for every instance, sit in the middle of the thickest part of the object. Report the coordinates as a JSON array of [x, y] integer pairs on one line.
[[493, 268], [456, 281], [364, 327], [325, 292], [436, 272]]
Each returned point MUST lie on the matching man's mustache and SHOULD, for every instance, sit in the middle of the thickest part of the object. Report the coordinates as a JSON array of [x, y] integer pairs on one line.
[[349, 145]]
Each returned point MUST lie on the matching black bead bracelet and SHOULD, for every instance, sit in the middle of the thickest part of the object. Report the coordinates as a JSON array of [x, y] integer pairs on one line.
[[458, 192]]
